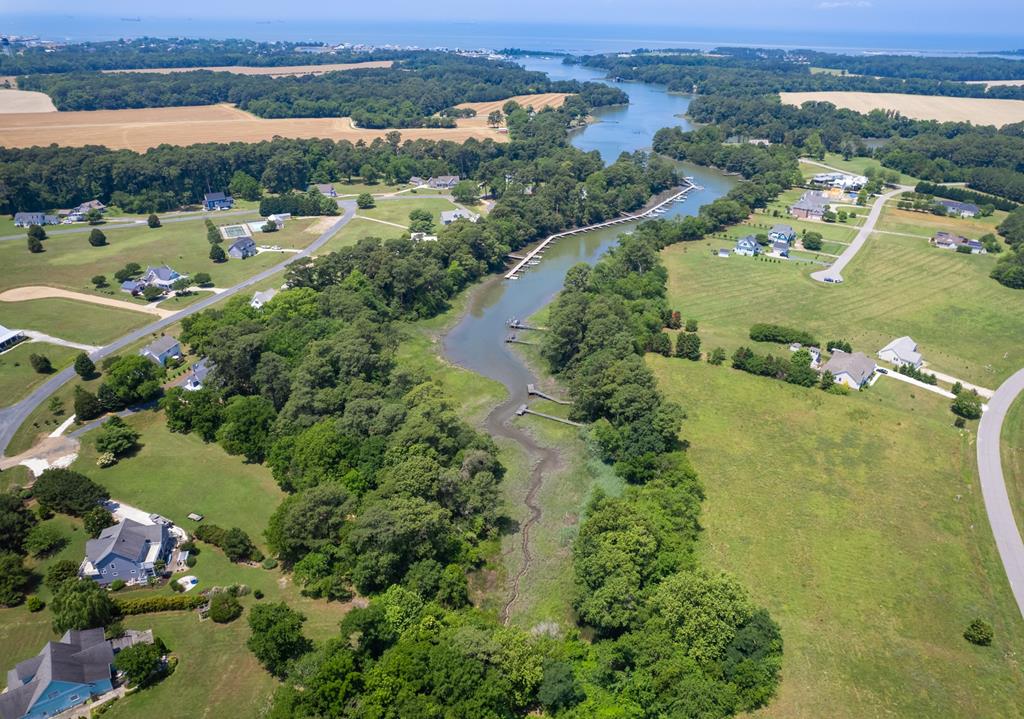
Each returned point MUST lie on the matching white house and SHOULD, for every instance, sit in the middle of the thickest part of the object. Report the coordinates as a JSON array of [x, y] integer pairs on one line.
[[197, 375], [747, 246], [9, 338], [854, 369], [261, 298], [901, 351], [161, 350]]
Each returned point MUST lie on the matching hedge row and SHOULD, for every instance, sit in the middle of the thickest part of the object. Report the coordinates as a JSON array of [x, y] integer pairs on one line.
[[781, 334], [961, 194], [160, 603]]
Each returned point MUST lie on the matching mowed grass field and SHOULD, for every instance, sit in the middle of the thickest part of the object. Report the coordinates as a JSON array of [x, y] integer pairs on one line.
[[397, 211], [857, 521], [979, 111], [71, 262], [72, 320], [965, 323]]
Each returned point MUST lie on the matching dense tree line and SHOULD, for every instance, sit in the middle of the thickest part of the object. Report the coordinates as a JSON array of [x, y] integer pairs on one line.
[[962, 195], [637, 585], [148, 52], [761, 72], [412, 93]]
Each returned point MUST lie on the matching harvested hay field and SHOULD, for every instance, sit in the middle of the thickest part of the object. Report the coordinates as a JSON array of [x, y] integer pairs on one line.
[[25, 101], [142, 129], [282, 71], [537, 102], [980, 111]]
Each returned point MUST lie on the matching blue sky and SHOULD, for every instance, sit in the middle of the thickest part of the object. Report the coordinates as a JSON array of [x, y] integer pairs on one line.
[[897, 15]]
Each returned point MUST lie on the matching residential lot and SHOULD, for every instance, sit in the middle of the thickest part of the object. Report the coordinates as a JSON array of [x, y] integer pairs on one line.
[[965, 323], [857, 521], [72, 320]]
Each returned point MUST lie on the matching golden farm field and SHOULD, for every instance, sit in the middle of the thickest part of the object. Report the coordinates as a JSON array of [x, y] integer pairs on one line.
[[142, 129], [980, 111]]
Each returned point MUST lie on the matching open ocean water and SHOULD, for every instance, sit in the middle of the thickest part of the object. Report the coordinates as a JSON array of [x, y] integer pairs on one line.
[[551, 37]]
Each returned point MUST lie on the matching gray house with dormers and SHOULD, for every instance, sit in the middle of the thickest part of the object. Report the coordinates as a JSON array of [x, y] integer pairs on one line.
[[127, 551]]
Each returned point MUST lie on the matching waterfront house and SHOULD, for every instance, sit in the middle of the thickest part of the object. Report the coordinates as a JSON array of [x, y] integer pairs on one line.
[[853, 369], [747, 246], [810, 206], [161, 350], [27, 219], [242, 248], [450, 216], [218, 201], [128, 551], [901, 351]]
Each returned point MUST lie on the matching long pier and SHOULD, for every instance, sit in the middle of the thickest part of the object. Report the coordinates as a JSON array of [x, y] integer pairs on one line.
[[511, 274]]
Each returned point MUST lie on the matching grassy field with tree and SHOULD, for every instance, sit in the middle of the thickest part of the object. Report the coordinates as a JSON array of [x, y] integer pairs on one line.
[[397, 211], [858, 522], [17, 377], [1012, 446]]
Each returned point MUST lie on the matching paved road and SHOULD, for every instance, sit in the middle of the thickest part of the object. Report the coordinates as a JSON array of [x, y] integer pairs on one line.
[[15, 415], [835, 272], [116, 224], [993, 485]]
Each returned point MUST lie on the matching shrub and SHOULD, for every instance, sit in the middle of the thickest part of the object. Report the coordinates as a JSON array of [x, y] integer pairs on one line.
[[69, 492], [44, 539], [217, 253], [839, 345], [258, 594], [151, 293], [365, 201], [967, 405], [202, 279], [34, 245], [34, 603], [107, 459], [175, 586], [960, 422], [979, 632], [153, 221], [117, 585], [116, 437], [84, 367], [191, 561], [224, 608], [691, 325], [97, 238], [269, 563], [99, 281], [40, 363], [162, 603], [781, 334], [235, 543]]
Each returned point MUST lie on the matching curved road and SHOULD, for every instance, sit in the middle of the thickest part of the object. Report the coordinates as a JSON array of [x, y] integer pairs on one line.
[[993, 485], [15, 415], [834, 272]]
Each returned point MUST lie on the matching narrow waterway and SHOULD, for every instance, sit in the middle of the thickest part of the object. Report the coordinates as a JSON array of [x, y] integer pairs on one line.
[[477, 341]]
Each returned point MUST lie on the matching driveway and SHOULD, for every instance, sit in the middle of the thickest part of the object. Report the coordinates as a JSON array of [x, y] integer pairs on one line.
[[835, 272], [993, 485], [15, 415]]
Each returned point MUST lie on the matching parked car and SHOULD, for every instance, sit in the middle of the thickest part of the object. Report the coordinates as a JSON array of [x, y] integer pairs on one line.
[[882, 370]]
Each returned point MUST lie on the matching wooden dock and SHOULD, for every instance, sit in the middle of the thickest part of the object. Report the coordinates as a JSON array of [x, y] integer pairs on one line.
[[523, 409], [649, 212]]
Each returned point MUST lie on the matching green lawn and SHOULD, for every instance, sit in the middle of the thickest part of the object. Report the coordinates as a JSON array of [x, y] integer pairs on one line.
[[927, 224], [346, 189], [356, 230], [17, 377], [857, 521], [70, 261], [965, 323], [1012, 446], [72, 320], [174, 474], [397, 211]]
